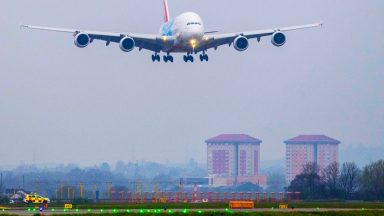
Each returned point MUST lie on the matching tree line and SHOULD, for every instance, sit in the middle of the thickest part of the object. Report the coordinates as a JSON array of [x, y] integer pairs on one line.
[[340, 181]]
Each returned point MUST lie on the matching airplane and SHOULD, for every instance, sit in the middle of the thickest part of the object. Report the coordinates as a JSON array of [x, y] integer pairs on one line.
[[183, 34]]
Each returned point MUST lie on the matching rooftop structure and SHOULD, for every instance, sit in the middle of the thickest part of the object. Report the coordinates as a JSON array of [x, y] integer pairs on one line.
[[233, 158], [300, 150]]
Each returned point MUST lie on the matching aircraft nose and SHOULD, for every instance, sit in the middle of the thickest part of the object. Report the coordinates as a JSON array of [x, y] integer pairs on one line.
[[193, 34]]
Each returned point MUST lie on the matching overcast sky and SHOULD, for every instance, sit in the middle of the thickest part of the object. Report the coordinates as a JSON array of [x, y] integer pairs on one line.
[[86, 106]]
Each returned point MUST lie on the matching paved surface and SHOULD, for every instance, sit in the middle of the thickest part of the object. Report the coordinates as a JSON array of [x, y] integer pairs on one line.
[[61, 211]]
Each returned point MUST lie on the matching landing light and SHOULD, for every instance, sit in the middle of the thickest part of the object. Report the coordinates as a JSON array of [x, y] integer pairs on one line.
[[193, 43], [165, 38], [206, 38]]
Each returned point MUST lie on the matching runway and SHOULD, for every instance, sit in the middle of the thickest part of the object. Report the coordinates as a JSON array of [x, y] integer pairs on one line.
[[62, 211]]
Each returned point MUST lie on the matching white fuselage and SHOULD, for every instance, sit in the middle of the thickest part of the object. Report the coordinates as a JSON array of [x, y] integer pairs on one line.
[[187, 30]]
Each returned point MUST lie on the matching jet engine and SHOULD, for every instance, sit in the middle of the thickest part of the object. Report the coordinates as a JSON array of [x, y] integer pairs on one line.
[[241, 43], [82, 40], [278, 39], [127, 44]]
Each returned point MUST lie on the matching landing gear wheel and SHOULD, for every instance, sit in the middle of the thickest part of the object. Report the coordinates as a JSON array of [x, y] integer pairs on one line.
[[204, 57], [156, 58], [188, 58], [167, 58]]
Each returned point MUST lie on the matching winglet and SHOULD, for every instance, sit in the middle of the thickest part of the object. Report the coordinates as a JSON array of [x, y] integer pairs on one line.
[[166, 11]]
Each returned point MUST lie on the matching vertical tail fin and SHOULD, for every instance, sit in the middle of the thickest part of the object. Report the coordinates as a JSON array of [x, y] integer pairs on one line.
[[166, 11]]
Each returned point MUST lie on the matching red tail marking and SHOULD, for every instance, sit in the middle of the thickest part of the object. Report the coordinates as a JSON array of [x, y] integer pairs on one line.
[[166, 12]]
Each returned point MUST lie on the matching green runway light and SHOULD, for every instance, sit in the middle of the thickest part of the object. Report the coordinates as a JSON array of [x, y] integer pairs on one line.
[[200, 212], [363, 209], [114, 210], [77, 210], [53, 209], [89, 210], [170, 211], [226, 209], [128, 211], [141, 211], [318, 208], [149, 211], [101, 210]]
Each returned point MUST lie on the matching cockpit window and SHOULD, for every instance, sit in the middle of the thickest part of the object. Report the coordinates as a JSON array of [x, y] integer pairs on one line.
[[193, 23]]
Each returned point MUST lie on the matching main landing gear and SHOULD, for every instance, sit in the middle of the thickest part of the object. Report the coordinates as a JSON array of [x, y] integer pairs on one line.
[[204, 57], [156, 57], [188, 58], [167, 58]]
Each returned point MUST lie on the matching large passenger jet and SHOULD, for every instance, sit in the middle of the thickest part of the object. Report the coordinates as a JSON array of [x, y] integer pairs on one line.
[[183, 34]]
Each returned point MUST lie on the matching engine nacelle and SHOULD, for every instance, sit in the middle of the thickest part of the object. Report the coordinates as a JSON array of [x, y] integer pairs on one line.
[[278, 39], [241, 43], [127, 44], [82, 40]]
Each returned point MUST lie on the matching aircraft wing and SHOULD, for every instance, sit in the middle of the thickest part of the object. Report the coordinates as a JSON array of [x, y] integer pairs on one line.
[[216, 40], [150, 42]]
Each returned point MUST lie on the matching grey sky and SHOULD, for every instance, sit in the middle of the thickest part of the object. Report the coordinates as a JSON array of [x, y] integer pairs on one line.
[[99, 104]]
